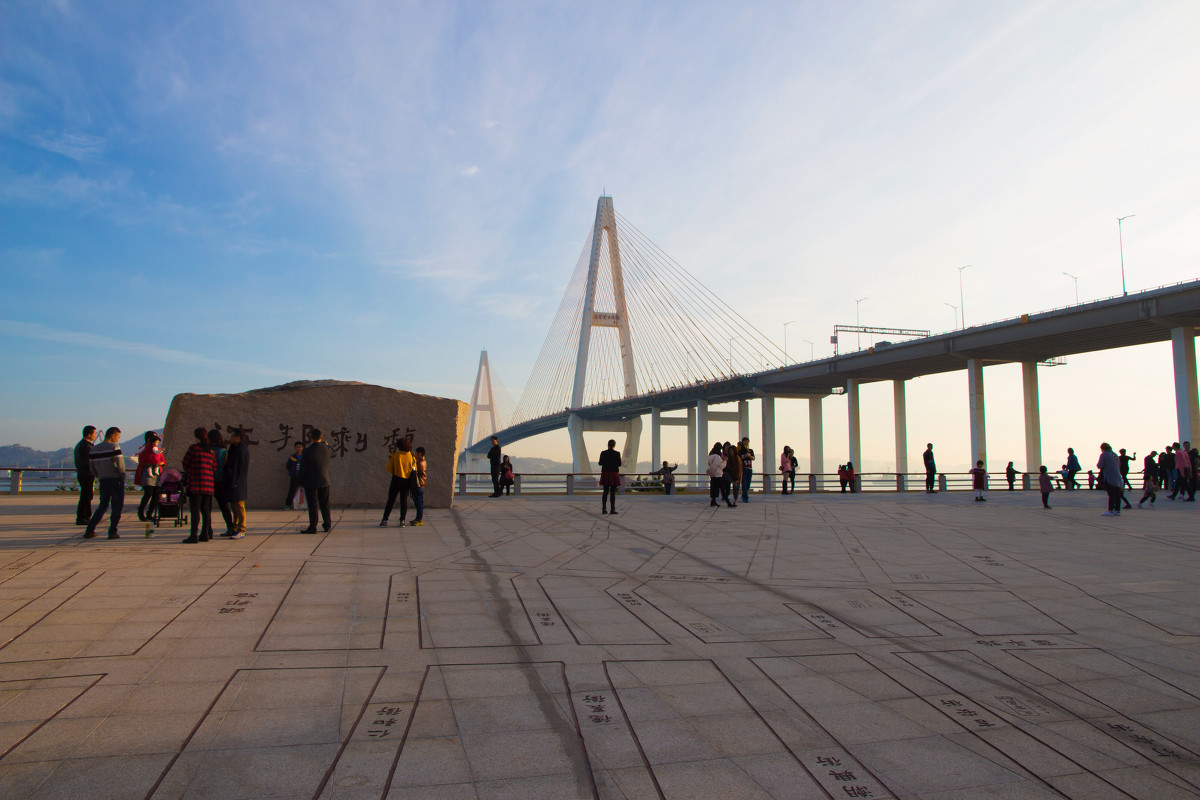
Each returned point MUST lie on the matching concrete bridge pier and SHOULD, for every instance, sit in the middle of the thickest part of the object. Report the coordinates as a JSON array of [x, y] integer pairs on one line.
[[855, 425], [657, 421], [692, 439], [582, 464], [900, 410], [977, 415], [1187, 406], [1033, 420], [768, 459], [816, 438], [702, 443]]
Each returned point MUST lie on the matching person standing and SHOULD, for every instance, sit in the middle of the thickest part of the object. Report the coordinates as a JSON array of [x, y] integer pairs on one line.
[[979, 481], [508, 476], [1166, 468], [314, 477], [1073, 469], [716, 473], [150, 460], [1183, 470], [401, 464], [733, 474], [610, 477], [1110, 474], [419, 479], [83, 474], [216, 443], [293, 470], [852, 477], [668, 477], [494, 456], [107, 464], [1124, 460], [1010, 473], [785, 469], [237, 483], [200, 480], [747, 467], [1046, 485], [930, 468]]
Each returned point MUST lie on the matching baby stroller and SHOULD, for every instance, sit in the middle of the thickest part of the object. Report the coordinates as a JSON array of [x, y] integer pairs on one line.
[[170, 498]]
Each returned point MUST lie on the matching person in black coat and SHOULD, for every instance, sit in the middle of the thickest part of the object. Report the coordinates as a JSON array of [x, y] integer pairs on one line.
[[237, 464], [314, 477], [494, 457], [610, 477], [83, 474]]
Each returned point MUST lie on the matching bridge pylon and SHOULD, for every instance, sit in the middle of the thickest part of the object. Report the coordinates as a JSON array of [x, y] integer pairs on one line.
[[483, 401], [604, 234]]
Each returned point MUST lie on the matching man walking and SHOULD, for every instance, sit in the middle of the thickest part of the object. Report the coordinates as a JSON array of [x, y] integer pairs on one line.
[[747, 456], [930, 468], [1123, 460], [1073, 469], [83, 474], [314, 477], [494, 457], [1183, 466], [108, 465]]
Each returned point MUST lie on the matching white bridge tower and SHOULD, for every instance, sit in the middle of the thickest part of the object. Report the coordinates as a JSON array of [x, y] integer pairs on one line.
[[483, 401], [604, 231]]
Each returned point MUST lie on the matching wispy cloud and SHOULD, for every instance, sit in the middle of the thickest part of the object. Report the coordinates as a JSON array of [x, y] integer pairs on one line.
[[470, 171], [32, 330], [75, 145]]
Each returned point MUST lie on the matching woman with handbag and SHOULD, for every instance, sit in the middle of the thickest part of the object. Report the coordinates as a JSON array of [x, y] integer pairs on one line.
[[610, 477]]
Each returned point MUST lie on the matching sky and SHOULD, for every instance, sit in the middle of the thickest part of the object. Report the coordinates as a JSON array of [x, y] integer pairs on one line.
[[225, 196]]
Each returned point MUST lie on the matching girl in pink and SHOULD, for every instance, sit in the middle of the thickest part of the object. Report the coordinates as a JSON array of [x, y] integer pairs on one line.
[[979, 481], [150, 460]]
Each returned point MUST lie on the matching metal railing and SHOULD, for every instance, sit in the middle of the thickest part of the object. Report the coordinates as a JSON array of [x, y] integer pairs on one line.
[[468, 484]]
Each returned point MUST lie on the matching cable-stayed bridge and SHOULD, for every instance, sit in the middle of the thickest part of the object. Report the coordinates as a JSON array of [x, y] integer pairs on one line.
[[636, 336]]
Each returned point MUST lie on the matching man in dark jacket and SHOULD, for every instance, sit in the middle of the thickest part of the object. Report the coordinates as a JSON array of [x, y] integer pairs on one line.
[[314, 477], [83, 474], [237, 464], [494, 457], [930, 468]]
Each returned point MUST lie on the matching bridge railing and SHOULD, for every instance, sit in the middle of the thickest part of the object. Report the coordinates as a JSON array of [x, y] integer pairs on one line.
[[568, 483]]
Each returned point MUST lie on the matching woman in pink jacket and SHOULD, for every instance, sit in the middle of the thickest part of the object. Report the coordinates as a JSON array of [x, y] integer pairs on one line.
[[150, 460]]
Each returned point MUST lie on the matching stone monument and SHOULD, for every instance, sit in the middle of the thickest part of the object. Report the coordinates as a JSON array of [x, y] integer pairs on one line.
[[362, 423]]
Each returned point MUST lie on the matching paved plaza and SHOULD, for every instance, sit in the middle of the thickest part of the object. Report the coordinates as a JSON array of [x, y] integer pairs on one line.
[[839, 646]]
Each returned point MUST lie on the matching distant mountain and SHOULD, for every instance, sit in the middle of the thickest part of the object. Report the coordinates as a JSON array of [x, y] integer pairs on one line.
[[18, 455]]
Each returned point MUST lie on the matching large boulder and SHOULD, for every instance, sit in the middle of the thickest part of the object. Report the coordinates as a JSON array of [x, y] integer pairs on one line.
[[362, 423]]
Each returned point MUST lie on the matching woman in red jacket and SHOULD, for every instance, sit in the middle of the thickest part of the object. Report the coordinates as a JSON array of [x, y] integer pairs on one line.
[[199, 477], [150, 460]]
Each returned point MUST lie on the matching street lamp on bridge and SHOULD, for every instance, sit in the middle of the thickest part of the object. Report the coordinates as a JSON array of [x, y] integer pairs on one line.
[[1076, 279], [1121, 243], [954, 308], [962, 305], [785, 355], [731, 338], [811, 357]]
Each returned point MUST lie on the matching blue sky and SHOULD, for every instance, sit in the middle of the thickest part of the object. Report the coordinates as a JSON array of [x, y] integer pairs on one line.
[[221, 198]]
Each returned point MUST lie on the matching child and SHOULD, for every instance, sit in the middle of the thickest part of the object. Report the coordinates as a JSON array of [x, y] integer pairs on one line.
[[1046, 485], [507, 478], [979, 481], [418, 489]]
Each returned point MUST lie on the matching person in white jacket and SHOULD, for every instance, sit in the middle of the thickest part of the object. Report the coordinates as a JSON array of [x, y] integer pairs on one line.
[[716, 475]]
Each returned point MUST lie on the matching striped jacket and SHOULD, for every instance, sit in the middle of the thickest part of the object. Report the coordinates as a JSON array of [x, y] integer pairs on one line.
[[106, 461], [200, 470]]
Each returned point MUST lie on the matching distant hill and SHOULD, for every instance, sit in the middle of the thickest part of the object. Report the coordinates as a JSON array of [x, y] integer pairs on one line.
[[18, 455]]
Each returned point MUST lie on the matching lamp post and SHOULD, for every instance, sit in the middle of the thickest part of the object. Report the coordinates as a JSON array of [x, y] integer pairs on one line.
[[954, 308], [1076, 279], [811, 356], [857, 323], [962, 305], [785, 355], [1121, 243], [731, 338]]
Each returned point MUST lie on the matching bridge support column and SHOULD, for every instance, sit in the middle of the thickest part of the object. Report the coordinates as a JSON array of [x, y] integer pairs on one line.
[[692, 439], [766, 463], [816, 440], [702, 443], [1033, 420], [743, 420], [1187, 406], [901, 413], [855, 426], [632, 428], [977, 415], [655, 438], [579, 458]]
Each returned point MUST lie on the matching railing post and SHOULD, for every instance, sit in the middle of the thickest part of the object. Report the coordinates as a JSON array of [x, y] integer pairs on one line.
[[1025, 481], [517, 484], [621, 485], [812, 482], [462, 484], [571, 483], [900, 481], [942, 482], [14, 481]]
